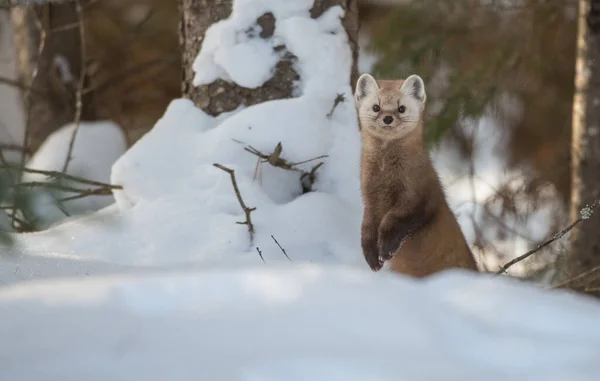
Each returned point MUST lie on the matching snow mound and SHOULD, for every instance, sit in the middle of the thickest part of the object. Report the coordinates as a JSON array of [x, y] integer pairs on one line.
[[301, 323], [97, 146], [176, 208]]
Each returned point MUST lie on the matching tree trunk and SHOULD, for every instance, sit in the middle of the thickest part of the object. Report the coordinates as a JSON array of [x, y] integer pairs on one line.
[[221, 96], [49, 59], [585, 149]]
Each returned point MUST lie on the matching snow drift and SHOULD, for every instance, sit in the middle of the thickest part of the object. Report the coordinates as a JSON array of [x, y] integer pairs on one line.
[[296, 323]]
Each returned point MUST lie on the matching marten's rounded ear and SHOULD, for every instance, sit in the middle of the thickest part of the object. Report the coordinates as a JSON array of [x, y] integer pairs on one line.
[[414, 86], [365, 85]]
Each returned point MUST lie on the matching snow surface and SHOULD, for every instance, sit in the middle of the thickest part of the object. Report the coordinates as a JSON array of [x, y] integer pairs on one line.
[[97, 146], [296, 323], [177, 209]]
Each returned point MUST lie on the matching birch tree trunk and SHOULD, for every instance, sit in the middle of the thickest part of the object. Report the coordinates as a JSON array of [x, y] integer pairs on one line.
[[585, 149], [220, 96]]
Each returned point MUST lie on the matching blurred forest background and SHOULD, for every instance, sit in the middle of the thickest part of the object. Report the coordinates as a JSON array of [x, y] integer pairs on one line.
[[513, 62]]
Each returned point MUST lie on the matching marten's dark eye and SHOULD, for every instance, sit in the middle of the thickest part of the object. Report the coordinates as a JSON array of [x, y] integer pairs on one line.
[[376, 108], [401, 109]]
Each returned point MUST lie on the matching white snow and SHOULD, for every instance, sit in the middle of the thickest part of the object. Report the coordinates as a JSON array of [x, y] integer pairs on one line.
[[126, 309], [296, 323], [96, 147], [177, 209]]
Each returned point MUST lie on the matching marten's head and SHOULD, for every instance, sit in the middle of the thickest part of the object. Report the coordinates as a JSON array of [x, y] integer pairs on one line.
[[390, 109]]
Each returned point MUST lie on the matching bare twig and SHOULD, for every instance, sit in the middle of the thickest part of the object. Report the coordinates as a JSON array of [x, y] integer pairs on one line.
[[307, 179], [79, 91], [338, 99], [42, 184], [15, 147], [578, 277], [584, 215], [246, 209], [281, 248], [27, 103], [18, 84], [56, 174], [260, 254]]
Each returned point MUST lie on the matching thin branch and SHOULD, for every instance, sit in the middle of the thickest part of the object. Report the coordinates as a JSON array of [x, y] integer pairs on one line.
[[42, 184], [281, 248], [79, 91], [142, 66], [338, 99], [307, 179], [15, 147], [56, 174], [585, 214], [27, 104], [18, 84], [246, 209], [260, 254], [95, 192], [578, 277]]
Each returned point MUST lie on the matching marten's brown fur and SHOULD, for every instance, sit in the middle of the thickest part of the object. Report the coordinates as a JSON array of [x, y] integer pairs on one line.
[[406, 220]]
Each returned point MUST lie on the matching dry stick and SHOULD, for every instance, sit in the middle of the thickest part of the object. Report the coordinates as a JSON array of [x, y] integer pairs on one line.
[[247, 210], [276, 160], [578, 277], [27, 104], [42, 184], [78, 92], [18, 84], [338, 99], [260, 254], [15, 147], [281, 248], [95, 192], [584, 215], [55, 174]]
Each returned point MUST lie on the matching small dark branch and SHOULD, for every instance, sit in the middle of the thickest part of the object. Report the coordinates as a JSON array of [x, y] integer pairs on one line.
[[18, 84], [260, 254], [79, 91], [27, 104], [91, 192], [309, 160], [585, 214], [246, 209], [116, 79], [307, 179], [281, 248], [338, 99], [579, 277], [15, 147], [56, 174], [41, 184]]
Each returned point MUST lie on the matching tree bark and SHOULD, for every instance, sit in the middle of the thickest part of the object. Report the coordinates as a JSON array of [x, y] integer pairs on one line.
[[220, 96], [585, 148], [49, 59]]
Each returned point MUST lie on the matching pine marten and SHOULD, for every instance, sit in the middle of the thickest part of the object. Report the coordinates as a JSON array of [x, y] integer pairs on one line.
[[407, 223]]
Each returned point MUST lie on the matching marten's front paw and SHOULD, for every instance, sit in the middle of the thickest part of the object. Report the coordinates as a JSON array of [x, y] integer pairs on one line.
[[388, 244], [372, 255]]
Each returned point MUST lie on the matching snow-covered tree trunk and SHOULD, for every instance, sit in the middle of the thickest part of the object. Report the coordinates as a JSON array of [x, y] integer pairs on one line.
[[48, 50], [223, 96], [585, 150]]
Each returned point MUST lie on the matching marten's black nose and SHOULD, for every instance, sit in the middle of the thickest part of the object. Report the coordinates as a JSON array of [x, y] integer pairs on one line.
[[388, 120]]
